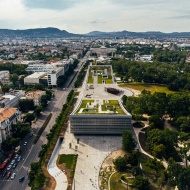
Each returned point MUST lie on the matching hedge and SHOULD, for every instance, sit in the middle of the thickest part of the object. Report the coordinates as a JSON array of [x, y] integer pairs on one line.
[[42, 128]]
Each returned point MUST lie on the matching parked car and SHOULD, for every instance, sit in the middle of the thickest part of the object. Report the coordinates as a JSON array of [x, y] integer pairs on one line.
[[16, 156], [19, 158], [9, 167], [21, 178], [13, 176], [8, 175], [13, 161], [4, 173], [25, 143], [14, 165]]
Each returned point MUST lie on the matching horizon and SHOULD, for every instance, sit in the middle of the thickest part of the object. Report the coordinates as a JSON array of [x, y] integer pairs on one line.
[[95, 30], [106, 15]]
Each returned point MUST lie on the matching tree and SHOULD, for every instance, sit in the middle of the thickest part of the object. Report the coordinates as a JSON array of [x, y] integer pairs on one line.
[[124, 99], [156, 122], [128, 142], [20, 130], [13, 78], [38, 110], [120, 164], [26, 105], [141, 183], [10, 143], [159, 151], [29, 117], [43, 100], [5, 88]]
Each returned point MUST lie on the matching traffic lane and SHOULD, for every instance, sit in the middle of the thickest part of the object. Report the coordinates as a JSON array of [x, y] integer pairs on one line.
[[58, 102], [24, 169], [23, 154]]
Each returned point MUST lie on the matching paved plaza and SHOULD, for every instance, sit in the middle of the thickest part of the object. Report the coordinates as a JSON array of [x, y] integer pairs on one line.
[[92, 150]]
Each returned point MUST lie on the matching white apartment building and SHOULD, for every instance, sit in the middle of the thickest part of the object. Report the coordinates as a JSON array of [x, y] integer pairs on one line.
[[8, 116], [11, 98], [4, 77], [53, 76], [52, 71]]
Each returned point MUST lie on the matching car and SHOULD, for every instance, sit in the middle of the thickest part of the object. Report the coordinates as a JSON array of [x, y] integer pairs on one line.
[[16, 156], [21, 178], [12, 162], [13, 175], [4, 173], [8, 175], [25, 143], [9, 167], [19, 158], [14, 165]]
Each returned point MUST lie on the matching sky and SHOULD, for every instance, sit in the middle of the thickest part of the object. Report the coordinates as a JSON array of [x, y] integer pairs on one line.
[[83, 16]]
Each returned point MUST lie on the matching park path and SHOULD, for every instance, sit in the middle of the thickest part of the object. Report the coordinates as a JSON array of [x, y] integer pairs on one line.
[[137, 131]]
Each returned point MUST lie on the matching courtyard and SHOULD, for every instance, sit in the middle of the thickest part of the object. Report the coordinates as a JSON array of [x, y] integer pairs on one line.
[[92, 151]]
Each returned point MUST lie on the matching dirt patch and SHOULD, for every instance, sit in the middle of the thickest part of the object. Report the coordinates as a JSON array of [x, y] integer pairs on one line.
[[108, 168], [50, 181]]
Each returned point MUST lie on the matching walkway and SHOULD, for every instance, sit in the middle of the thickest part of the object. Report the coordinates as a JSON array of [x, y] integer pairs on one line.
[[137, 131], [59, 176]]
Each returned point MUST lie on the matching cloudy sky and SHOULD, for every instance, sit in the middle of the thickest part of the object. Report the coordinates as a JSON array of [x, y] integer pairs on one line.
[[82, 16]]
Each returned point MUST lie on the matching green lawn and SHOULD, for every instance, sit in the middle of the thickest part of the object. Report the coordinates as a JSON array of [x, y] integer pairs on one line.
[[99, 79], [70, 160], [84, 102], [111, 105], [90, 80], [108, 81], [150, 87]]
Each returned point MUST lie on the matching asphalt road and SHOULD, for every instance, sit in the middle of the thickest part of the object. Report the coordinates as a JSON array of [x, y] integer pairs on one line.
[[30, 151]]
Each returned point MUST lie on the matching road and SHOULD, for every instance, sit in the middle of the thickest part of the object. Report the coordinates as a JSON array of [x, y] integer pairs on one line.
[[30, 151]]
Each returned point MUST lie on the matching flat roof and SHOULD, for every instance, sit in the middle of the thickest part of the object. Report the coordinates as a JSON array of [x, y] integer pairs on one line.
[[100, 107], [36, 75]]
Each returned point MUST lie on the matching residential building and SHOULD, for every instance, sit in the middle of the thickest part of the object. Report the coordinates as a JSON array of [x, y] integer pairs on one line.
[[53, 76], [4, 77], [11, 98], [35, 96], [8, 116]]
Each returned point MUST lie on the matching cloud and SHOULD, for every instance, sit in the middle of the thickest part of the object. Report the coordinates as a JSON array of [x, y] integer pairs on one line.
[[181, 17], [97, 21], [82, 16], [50, 4]]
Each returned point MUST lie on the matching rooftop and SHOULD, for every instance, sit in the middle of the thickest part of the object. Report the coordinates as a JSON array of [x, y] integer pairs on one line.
[[34, 94], [36, 75], [100, 107], [6, 113], [100, 75]]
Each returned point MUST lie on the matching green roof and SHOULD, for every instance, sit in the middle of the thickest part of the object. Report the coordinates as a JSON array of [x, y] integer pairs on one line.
[[100, 107]]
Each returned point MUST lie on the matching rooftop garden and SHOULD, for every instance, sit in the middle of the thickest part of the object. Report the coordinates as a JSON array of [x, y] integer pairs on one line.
[[100, 107], [100, 75]]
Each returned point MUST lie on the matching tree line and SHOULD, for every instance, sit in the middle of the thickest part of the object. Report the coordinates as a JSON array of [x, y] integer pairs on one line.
[[175, 76]]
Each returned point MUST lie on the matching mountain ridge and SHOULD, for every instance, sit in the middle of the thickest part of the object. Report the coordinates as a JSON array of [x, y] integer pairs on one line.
[[51, 32]]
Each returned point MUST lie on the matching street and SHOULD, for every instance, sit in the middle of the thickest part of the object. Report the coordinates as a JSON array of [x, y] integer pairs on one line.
[[30, 151]]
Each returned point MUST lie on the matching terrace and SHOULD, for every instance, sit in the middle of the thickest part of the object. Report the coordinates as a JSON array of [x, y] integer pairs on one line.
[[100, 107], [100, 75]]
